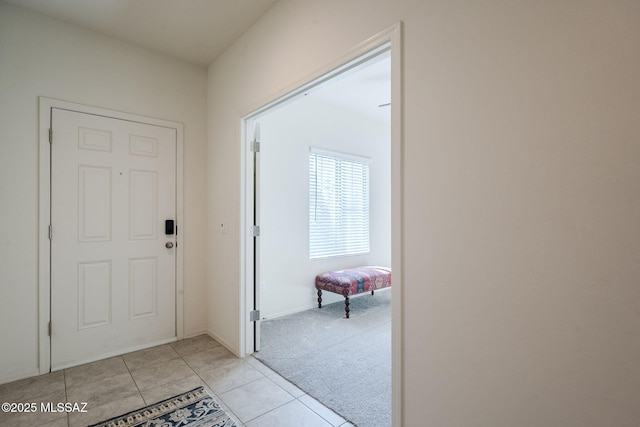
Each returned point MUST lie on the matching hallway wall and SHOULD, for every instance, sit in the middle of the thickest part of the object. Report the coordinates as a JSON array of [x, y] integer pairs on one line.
[[41, 56], [520, 185]]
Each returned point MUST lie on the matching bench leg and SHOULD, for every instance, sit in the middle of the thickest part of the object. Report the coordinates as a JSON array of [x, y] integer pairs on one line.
[[319, 298], [346, 306]]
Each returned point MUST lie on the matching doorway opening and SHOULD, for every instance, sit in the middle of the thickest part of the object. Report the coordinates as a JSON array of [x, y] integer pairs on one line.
[[278, 139], [318, 209]]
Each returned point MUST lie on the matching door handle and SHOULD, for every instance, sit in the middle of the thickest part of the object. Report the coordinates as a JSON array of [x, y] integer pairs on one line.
[[169, 245]]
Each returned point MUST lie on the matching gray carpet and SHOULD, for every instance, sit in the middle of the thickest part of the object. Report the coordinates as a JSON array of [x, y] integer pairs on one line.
[[344, 363]]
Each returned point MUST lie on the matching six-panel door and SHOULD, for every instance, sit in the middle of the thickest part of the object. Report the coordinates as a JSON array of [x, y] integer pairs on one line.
[[113, 185]]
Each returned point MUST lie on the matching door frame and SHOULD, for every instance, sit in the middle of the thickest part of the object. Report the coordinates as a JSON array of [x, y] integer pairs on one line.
[[391, 37], [44, 214]]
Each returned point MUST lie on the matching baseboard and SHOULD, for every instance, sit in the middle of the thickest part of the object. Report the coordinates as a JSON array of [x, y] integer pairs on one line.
[[195, 334], [292, 311], [327, 298], [224, 342]]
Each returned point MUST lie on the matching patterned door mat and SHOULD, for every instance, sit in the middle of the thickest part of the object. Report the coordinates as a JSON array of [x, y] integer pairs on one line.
[[195, 408]]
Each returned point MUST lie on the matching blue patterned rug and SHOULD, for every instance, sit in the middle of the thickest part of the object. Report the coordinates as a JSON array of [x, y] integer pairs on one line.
[[195, 408]]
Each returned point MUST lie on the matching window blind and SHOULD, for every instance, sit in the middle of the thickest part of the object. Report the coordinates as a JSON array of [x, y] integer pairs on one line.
[[338, 205]]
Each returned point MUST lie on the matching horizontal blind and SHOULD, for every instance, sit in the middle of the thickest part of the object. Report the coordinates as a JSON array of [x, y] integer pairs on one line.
[[338, 205]]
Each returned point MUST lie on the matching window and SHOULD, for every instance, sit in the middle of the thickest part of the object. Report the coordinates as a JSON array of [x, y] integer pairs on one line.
[[338, 204]]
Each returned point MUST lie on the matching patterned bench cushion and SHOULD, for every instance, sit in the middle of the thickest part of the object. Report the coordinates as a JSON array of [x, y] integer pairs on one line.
[[351, 281]]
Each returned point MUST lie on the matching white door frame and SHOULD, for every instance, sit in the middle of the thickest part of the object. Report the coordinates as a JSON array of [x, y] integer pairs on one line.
[[44, 212], [391, 37]]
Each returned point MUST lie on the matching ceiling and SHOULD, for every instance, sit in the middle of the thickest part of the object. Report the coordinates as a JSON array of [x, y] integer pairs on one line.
[[365, 90], [195, 31], [198, 31]]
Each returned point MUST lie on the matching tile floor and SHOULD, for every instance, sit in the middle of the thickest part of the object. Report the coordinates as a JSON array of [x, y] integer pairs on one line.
[[251, 392]]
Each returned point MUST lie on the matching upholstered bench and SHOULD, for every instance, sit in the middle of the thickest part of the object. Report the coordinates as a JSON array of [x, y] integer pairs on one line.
[[352, 281]]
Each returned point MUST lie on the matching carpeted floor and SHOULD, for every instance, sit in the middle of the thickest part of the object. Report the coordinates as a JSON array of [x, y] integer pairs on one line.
[[344, 363]]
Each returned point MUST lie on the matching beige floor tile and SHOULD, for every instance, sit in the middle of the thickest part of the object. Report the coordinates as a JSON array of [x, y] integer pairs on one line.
[[106, 411], [228, 410], [38, 414], [162, 373], [174, 388], [287, 386], [31, 389], [195, 344], [255, 399], [227, 376], [292, 414], [208, 359], [108, 390], [150, 356], [34, 419], [326, 413], [259, 366], [95, 371], [248, 390], [62, 422]]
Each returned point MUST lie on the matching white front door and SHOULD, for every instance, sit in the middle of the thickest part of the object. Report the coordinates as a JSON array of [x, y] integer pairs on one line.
[[113, 263]]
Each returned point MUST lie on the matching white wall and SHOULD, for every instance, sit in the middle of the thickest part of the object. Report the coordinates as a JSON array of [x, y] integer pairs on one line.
[[40, 56], [521, 197], [287, 275]]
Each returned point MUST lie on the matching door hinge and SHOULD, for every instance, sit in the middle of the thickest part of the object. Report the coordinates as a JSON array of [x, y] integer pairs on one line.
[[50, 135], [255, 146], [49, 328], [50, 232], [255, 231], [254, 315]]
